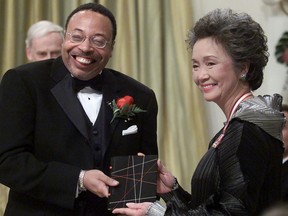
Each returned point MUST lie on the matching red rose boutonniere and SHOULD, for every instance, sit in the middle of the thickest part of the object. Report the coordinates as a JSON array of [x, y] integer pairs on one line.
[[124, 108]]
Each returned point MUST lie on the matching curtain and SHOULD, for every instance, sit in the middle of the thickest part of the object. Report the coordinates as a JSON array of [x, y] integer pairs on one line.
[[150, 47]]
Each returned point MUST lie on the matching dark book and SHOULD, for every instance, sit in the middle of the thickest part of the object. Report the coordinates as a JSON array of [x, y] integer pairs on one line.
[[137, 176]]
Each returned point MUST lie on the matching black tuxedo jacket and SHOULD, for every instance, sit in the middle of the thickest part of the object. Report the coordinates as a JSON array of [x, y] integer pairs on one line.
[[44, 141]]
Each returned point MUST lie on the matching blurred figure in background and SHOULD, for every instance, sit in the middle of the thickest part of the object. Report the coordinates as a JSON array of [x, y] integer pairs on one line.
[[281, 54], [44, 41]]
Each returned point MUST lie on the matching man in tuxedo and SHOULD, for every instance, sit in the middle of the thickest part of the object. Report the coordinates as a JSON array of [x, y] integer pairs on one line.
[[57, 128]]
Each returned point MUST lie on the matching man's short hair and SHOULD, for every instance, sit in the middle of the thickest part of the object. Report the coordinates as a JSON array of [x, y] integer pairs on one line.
[[40, 29]]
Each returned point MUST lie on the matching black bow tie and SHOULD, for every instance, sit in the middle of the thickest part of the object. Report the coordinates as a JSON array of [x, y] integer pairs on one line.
[[96, 83]]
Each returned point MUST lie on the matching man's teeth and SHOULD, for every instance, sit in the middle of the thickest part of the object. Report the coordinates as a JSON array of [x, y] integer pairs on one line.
[[83, 60]]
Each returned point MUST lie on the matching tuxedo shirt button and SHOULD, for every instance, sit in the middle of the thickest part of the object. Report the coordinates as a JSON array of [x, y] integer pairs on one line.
[[95, 132]]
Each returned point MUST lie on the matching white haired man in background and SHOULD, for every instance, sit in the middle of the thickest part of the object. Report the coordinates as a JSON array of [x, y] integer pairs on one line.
[[44, 40]]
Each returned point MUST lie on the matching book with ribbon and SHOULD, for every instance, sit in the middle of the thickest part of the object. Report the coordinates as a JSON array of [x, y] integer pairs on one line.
[[137, 176]]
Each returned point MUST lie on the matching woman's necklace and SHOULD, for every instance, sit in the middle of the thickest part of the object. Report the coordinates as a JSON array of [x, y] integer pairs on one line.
[[219, 139]]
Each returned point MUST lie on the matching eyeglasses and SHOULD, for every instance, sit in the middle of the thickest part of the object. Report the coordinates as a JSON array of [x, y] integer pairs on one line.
[[79, 37]]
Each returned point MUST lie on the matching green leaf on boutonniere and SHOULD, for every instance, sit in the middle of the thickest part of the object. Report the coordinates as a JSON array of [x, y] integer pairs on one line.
[[124, 108]]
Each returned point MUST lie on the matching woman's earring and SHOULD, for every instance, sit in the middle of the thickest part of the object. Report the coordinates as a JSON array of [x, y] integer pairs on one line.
[[243, 77]]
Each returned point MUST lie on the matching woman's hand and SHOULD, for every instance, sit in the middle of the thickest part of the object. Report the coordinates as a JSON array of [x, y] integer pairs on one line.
[[134, 209], [165, 180], [165, 183]]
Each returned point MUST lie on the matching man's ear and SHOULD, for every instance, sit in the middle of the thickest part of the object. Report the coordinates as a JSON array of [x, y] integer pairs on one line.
[[29, 54], [112, 47]]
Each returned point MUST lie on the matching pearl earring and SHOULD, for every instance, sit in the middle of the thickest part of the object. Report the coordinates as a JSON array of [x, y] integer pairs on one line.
[[243, 77]]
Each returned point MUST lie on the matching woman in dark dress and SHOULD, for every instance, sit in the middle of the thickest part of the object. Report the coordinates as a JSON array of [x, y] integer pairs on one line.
[[240, 173]]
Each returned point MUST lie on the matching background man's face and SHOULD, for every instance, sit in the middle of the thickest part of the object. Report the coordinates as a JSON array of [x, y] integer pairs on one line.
[[45, 47]]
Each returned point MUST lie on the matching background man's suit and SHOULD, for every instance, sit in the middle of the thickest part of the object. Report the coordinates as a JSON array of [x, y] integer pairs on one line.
[[46, 138]]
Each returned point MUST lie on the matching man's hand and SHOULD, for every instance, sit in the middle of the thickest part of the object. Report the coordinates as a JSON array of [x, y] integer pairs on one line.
[[98, 183]]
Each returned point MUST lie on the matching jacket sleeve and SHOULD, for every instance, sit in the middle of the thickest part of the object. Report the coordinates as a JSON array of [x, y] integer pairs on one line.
[[20, 169]]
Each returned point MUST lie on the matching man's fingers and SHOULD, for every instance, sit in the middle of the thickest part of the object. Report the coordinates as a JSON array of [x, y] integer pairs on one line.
[[106, 179], [109, 181], [97, 182], [112, 182]]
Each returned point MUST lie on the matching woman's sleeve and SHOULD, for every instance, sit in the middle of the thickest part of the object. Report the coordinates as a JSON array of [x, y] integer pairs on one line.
[[243, 161]]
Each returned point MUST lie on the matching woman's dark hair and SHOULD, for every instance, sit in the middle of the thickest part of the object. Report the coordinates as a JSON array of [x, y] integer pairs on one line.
[[98, 8], [242, 38]]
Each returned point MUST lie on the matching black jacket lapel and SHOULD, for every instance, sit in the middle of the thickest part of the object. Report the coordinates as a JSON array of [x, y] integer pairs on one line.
[[109, 93], [67, 99]]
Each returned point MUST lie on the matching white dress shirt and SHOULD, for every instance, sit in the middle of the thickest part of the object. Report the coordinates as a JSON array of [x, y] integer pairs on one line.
[[91, 102]]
